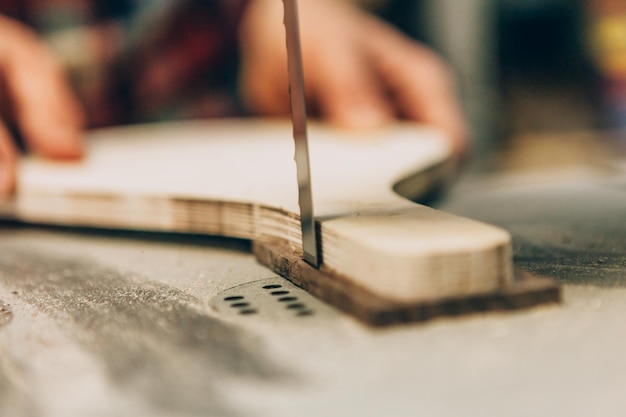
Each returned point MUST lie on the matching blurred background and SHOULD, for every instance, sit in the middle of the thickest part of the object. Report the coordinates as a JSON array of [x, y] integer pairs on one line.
[[548, 72]]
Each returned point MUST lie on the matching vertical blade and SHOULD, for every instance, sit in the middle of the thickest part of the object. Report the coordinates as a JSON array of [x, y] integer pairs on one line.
[[298, 116]]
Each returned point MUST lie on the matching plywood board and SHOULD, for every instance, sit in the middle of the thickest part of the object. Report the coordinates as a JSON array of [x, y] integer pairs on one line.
[[237, 178]]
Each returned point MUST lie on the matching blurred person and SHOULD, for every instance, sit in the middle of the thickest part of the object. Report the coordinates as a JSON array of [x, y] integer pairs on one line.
[[131, 61]]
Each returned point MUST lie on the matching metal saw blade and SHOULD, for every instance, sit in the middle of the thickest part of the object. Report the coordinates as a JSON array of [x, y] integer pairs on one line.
[[298, 116]]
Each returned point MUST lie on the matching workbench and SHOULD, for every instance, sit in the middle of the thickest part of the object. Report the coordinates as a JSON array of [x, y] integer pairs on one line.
[[97, 323]]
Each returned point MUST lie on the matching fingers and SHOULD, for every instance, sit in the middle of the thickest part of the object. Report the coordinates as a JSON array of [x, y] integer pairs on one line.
[[359, 72], [346, 90], [46, 111], [421, 84], [8, 162], [265, 90], [339, 84], [263, 69]]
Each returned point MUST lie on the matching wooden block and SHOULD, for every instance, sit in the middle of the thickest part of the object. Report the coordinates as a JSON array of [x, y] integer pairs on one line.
[[237, 178], [524, 291]]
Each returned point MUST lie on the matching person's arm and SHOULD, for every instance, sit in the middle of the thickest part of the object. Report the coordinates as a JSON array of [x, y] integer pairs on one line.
[[359, 71], [36, 100]]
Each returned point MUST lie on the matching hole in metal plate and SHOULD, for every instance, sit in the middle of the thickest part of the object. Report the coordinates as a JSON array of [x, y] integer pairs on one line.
[[272, 287], [234, 298], [248, 312]]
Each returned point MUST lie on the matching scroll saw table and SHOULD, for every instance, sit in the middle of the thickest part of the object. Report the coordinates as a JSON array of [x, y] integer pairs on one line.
[[122, 324]]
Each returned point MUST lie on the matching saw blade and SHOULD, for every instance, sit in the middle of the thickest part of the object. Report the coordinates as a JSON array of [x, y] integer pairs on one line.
[[298, 117]]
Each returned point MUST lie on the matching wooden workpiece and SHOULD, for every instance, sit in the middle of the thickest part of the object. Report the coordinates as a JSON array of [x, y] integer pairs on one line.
[[237, 178]]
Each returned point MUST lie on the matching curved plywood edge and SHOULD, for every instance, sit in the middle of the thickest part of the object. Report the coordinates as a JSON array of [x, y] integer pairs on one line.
[[237, 178], [418, 253]]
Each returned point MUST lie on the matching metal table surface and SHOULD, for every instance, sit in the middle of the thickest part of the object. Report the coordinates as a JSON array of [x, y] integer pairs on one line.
[[126, 324]]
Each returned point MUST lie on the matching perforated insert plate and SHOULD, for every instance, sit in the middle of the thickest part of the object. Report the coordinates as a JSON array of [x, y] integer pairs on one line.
[[270, 299]]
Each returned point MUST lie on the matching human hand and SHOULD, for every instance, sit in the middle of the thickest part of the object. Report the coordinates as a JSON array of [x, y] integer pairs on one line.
[[34, 99], [359, 71]]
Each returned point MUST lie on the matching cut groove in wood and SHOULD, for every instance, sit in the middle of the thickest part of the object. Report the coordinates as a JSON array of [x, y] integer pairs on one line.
[[237, 178]]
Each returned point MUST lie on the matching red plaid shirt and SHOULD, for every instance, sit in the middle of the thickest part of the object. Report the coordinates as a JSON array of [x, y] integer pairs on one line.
[[142, 60]]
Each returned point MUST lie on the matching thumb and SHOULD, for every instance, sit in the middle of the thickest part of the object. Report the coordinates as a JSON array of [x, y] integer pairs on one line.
[[8, 162], [420, 82], [47, 113]]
